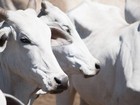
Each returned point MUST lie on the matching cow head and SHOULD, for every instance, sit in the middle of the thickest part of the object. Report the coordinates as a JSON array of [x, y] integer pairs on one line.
[[25, 51], [74, 56], [130, 55]]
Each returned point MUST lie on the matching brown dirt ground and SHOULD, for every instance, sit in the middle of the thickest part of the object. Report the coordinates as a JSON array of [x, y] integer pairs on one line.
[[49, 99]]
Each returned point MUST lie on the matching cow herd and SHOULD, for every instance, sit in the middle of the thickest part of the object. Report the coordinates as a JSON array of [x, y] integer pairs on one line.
[[87, 46]]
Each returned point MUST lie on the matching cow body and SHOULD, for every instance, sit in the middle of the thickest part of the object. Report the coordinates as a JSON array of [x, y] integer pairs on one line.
[[116, 44]]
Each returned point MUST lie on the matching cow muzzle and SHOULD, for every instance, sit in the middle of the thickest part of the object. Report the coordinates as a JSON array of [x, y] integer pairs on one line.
[[62, 84]]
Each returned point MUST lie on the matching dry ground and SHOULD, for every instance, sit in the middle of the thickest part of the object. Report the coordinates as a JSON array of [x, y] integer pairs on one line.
[[49, 99]]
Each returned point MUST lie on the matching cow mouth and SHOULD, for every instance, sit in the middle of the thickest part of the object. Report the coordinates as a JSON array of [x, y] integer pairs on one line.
[[58, 89], [89, 76]]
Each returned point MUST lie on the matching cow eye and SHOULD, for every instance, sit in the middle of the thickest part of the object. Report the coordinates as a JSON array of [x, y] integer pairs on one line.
[[67, 28], [25, 40]]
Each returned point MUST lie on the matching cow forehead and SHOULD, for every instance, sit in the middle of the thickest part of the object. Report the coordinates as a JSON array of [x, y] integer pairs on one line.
[[29, 24]]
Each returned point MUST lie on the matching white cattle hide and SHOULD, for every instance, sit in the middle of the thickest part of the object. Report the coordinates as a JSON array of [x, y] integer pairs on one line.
[[116, 44], [118, 3], [68, 5], [27, 63], [74, 56]]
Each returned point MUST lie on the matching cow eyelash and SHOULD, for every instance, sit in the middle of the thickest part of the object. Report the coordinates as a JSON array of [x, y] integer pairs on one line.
[[25, 40]]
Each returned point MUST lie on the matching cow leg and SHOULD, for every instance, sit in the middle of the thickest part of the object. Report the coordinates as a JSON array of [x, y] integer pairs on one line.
[[66, 97], [82, 102]]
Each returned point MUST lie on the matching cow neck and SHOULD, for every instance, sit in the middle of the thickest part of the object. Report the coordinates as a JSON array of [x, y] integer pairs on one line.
[[22, 89], [16, 86], [5, 80]]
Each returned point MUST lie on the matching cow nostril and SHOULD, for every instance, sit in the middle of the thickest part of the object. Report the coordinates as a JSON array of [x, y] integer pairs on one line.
[[62, 83], [57, 80], [97, 66]]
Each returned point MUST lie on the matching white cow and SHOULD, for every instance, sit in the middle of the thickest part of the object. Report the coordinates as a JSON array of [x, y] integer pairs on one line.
[[74, 56], [27, 63], [132, 10], [116, 44]]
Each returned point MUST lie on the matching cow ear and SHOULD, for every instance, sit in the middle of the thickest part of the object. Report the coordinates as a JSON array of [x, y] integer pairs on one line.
[[3, 41], [59, 37], [4, 33]]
